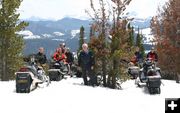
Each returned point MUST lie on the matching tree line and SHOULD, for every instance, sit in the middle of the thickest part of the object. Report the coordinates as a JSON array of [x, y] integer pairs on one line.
[[166, 30]]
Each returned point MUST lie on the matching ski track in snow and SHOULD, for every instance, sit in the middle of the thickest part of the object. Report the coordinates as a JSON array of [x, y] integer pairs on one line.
[[70, 96]]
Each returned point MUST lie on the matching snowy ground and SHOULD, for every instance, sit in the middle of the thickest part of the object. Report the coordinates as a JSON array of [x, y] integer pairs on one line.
[[69, 96]]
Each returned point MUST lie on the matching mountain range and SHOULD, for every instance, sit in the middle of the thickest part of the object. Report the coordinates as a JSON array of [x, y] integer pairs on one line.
[[49, 33]]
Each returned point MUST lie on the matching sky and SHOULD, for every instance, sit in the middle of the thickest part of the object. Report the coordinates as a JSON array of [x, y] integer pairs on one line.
[[57, 9]]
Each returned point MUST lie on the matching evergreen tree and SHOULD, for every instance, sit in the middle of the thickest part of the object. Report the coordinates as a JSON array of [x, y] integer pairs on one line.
[[139, 42], [131, 35], [11, 44], [91, 32], [81, 38], [108, 52]]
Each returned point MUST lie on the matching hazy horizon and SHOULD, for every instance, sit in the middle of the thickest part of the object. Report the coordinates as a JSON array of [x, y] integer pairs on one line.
[[58, 9]]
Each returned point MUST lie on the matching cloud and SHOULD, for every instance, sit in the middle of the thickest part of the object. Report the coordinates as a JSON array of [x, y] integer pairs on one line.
[[57, 9], [52, 8], [145, 8]]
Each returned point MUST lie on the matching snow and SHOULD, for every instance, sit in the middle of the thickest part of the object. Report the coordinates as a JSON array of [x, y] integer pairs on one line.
[[149, 37], [70, 96], [47, 35], [32, 37], [28, 35], [59, 40], [25, 33], [58, 34], [74, 33]]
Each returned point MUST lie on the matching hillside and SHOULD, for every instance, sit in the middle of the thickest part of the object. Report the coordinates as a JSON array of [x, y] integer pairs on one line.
[[49, 34]]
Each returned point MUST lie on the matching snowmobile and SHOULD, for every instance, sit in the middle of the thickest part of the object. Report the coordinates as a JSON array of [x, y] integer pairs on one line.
[[150, 75], [133, 71], [57, 71], [30, 76]]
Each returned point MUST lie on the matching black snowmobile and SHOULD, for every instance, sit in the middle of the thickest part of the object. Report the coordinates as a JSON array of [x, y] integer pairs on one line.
[[30, 76], [57, 70], [150, 75]]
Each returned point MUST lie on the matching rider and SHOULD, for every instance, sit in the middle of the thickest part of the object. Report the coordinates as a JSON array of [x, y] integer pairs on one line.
[[41, 57], [41, 61], [137, 58], [63, 47], [152, 56], [59, 56], [138, 54]]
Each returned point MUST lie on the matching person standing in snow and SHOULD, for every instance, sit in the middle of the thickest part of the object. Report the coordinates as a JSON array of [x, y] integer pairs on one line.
[[69, 60], [86, 62]]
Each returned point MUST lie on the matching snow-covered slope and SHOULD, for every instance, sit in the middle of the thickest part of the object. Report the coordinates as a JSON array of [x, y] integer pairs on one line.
[[28, 35], [70, 96], [149, 38], [58, 33], [74, 33]]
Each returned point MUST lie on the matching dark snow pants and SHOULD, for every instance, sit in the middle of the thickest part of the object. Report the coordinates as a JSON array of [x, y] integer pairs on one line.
[[87, 72]]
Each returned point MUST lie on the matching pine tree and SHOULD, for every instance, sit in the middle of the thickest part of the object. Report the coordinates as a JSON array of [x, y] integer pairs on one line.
[[92, 33], [131, 35], [109, 50], [81, 38], [139, 42], [11, 44]]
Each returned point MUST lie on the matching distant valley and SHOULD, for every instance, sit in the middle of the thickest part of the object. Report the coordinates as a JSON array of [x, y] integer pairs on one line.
[[49, 34]]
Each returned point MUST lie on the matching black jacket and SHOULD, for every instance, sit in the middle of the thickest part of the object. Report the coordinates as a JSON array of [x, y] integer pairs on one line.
[[70, 57], [41, 58], [86, 60], [139, 56]]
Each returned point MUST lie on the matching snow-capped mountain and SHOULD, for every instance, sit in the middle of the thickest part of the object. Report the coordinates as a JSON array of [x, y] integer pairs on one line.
[[75, 32], [28, 35], [50, 33], [148, 37], [141, 23], [58, 33]]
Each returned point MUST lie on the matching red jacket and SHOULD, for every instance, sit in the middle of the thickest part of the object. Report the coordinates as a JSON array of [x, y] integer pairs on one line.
[[59, 57], [152, 56]]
